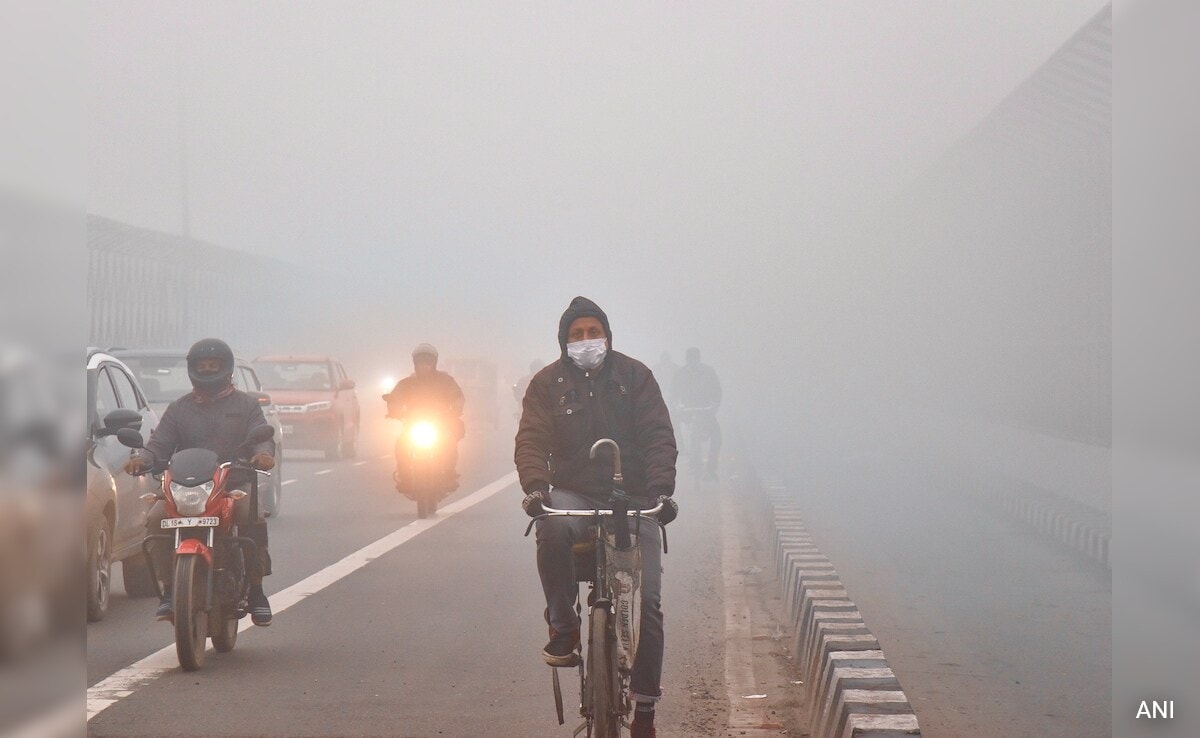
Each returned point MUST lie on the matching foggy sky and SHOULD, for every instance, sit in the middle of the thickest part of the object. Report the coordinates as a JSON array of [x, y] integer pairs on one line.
[[466, 169]]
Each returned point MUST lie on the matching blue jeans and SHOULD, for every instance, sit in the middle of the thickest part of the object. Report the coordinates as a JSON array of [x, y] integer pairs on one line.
[[556, 567]]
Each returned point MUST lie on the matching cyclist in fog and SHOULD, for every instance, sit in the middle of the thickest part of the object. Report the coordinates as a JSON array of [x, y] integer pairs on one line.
[[218, 417], [428, 390], [665, 371], [522, 384], [696, 396], [593, 392]]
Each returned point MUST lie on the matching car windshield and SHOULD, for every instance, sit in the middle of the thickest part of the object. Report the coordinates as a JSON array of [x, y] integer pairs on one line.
[[293, 375], [162, 378]]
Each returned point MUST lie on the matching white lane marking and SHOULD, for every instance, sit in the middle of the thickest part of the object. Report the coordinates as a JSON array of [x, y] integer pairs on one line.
[[286, 482], [358, 463], [324, 471], [746, 710], [125, 682], [386, 456]]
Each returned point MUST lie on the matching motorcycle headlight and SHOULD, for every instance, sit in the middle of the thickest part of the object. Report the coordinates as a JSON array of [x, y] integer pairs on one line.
[[191, 500], [423, 435], [322, 405]]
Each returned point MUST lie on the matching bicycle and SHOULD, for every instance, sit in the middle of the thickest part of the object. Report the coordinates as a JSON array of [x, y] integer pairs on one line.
[[697, 425], [614, 606]]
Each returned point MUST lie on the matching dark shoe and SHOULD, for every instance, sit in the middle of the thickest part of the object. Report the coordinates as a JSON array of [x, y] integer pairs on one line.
[[259, 607], [562, 650], [165, 610], [642, 728]]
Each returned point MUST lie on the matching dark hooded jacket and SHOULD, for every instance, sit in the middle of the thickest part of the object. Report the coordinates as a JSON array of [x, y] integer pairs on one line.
[[566, 409], [220, 425]]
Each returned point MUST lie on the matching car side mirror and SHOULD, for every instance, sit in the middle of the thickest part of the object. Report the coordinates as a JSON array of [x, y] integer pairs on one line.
[[346, 384], [130, 437], [118, 419], [262, 398]]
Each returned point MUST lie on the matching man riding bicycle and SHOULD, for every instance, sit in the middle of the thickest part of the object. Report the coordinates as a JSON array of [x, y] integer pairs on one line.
[[593, 392], [696, 395], [218, 417]]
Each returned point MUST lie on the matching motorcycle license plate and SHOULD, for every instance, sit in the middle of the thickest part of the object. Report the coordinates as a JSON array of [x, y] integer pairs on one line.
[[287, 429], [190, 523]]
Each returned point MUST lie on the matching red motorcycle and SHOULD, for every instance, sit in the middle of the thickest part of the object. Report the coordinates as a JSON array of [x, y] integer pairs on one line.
[[210, 585]]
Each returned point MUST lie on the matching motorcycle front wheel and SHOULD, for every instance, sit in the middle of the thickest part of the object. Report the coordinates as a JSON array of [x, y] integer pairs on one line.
[[225, 629], [191, 621]]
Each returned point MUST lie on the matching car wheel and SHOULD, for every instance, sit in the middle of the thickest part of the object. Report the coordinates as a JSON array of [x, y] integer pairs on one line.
[[136, 574], [334, 451], [276, 491], [99, 568]]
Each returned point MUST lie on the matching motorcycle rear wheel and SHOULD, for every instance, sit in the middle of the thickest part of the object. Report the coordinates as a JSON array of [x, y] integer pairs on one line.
[[191, 621], [225, 629]]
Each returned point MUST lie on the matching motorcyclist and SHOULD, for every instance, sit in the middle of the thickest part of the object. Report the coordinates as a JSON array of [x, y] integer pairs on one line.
[[434, 392], [593, 392], [218, 417], [696, 398]]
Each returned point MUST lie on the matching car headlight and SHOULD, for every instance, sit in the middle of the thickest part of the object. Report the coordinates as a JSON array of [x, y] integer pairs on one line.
[[322, 405], [423, 434], [191, 500]]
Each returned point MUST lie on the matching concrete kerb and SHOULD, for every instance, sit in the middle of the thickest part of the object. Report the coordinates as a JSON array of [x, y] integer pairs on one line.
[[805, 575], [881, 726], [850, 690], [865, 702], [803, 632], [827, 643], [826, 626], [849, 670]]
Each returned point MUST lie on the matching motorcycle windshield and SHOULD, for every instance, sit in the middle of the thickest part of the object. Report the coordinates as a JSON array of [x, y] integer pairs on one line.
[[192, 467]]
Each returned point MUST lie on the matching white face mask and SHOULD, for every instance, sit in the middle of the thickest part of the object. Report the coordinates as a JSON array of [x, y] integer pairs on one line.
[[588, 354]]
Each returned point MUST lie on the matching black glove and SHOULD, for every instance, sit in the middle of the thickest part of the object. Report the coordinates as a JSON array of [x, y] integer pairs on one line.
[[669, 511], [532, 504]]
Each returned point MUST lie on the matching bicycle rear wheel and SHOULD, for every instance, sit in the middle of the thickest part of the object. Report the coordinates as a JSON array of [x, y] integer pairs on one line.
[[602, 676]]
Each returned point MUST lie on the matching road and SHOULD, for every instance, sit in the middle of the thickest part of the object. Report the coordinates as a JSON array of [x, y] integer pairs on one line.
[[992, 629], [440, 636]]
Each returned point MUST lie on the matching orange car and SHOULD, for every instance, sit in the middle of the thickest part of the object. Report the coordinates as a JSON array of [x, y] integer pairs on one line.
[[318, 408]]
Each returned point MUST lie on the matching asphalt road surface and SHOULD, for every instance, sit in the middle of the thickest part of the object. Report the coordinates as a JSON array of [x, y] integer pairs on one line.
[[440, 636], [992, 629]]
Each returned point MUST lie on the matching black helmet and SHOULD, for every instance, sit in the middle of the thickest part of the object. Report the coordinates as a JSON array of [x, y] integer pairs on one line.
[[210, 348], [425, 349]]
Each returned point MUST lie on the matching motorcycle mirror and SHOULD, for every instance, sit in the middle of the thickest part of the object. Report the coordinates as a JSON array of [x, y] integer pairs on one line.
[[130, 437]]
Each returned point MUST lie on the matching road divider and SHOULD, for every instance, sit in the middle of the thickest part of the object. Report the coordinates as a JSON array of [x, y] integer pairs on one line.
[[848, 687], [125, 682]]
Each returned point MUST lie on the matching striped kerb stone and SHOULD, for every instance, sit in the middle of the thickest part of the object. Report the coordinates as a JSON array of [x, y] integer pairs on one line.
[[821, 685], [821, 628], [820, 599], [828, 643], [850, 674], [863, 702], [799, 578], [820, 616], [881, 726]]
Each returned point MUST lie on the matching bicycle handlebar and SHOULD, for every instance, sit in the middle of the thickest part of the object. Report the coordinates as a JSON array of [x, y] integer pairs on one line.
[[550, 512], [647, 513]]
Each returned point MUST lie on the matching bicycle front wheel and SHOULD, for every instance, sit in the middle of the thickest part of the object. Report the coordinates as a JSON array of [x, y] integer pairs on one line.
[[602, 676]]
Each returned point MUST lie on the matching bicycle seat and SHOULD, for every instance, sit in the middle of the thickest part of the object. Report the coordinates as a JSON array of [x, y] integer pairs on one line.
[[584, 554]]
